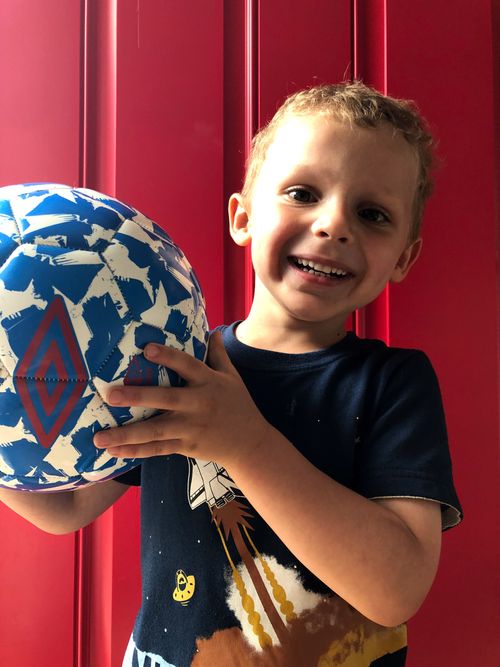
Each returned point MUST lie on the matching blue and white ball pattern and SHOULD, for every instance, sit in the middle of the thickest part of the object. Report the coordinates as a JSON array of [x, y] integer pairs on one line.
[[85, 283]]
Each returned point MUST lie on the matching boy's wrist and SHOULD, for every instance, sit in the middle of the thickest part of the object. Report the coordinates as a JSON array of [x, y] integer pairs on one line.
[[258, 446]]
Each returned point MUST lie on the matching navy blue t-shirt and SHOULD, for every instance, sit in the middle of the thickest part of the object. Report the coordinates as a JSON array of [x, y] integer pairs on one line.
[[219, 586]]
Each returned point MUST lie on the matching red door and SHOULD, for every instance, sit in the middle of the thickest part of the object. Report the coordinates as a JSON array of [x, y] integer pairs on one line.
[[154, 101], [39, 139]]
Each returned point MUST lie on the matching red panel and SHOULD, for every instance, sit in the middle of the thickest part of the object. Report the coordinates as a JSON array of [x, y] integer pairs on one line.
[[168, 162], [170, 127], [37, 595], [370, 66], [496, 114], [240, 82], [40, 140], [39, 91], [100, 625], [167, 103], [126, 574], [448, 306], [251, 107], [99, 96], [299, 48], [110, 583], [370, 42]]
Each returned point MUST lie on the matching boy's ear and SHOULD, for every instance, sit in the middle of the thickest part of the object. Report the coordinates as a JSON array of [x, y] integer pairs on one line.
[[238, 220], [408, 258]]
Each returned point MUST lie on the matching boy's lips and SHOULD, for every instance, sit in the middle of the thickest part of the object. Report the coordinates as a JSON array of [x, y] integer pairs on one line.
[[321, 267]]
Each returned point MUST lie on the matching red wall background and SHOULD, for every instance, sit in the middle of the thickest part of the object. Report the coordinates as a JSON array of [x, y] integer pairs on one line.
[[154, 101]]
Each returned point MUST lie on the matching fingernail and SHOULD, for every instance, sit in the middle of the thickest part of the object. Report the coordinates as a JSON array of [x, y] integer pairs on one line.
[[115, 396], [151, 351]]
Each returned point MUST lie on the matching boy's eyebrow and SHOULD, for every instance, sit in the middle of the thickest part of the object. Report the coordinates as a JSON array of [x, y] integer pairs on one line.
[[306, 169]]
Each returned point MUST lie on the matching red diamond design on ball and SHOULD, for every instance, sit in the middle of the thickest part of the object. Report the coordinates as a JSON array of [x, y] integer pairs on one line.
[[49, 402]]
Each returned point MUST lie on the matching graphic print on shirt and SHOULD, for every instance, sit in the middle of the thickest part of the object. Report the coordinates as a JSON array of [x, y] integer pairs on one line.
[[185, 587], [208, 482], [281, 621], [134, 657]]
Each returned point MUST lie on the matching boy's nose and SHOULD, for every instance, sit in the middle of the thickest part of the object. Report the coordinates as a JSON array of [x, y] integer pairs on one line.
[[333, 223]]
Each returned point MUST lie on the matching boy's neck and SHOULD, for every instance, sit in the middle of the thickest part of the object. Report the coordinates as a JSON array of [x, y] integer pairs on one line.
[[288, 339]]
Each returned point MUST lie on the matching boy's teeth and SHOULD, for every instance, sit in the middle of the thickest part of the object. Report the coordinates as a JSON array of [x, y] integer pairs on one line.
[[321, 268]]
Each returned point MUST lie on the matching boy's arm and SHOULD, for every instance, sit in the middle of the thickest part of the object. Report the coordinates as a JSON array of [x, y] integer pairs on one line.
[[380, 556], [60, 512]]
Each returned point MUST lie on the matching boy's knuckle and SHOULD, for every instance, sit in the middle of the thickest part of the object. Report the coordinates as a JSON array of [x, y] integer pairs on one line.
[[210, 402], [132, 393], [206, 408], [173, 399], [158, 432], [192, 447], [157, 450]]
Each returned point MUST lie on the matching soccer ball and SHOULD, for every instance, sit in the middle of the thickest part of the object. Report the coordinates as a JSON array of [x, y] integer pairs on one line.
[[85, 283]]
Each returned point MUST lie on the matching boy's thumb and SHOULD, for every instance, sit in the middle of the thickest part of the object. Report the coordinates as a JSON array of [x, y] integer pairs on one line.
[[217, 356]]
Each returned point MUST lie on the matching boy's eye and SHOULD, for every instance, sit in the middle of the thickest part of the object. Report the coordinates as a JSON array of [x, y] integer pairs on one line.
[[301, 195], [373, 215]]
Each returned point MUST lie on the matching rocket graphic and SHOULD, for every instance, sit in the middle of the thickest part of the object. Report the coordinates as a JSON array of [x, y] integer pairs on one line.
[[209, 483]]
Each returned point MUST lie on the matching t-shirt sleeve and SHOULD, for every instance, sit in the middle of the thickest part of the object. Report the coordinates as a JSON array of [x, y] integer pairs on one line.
[[404, 447], [131, 477]]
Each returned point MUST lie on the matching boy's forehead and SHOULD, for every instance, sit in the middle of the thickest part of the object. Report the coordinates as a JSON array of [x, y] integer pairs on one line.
[[378, 159], [297, 140], [305, 138], [295, 129]]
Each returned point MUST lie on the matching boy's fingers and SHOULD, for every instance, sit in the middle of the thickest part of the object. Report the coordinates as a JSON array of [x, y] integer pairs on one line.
[[185, 365], [144, 450], [154, 429], [157, 398]]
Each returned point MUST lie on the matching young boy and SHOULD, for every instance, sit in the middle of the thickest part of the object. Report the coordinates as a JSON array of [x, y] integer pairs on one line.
[[295, 489]]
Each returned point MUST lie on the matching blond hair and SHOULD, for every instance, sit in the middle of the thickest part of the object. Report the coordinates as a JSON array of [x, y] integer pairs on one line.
[[358, 104]]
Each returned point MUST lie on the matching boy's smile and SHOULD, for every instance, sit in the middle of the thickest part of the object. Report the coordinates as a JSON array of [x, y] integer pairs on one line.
[[329, 222]]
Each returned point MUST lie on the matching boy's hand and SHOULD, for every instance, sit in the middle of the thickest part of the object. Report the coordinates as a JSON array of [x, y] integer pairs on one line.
[[212, 417]]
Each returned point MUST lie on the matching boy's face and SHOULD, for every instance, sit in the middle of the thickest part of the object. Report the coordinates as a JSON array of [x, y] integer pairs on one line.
[[328, 221]]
